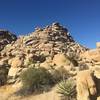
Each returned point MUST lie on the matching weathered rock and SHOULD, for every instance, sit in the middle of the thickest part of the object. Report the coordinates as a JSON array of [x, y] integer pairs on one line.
[[5, 38], [13, 74], [97, 71], [61, 60], [93, 54], [91, 57], [16, 62], [86, 86], [45, 65], [98, 98], [98, 45], [36, 48]]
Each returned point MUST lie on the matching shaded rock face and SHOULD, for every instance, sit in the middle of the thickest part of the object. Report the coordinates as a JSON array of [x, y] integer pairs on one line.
[[88, 84], [5, 38], [4, 67], [40, 48]]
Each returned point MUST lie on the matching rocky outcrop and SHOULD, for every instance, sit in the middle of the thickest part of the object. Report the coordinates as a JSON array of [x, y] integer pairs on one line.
[[48, 41], [53, 48], [98, 44], [86, 86], [92, 56], [45, 47], [5, 38]]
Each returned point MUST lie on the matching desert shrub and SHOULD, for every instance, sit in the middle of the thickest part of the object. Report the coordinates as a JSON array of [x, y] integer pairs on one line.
[[73, 58], [36, 78], [59, 74], [67, 89]]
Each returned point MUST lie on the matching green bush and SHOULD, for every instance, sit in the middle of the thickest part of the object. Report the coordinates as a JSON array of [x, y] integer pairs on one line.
[[36, 78], [67, 89], [59, 74]]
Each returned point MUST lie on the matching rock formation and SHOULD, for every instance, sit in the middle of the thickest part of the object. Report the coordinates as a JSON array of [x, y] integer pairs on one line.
[[40, 48], [86, 86], [5, 38], [53, 48], [92, 56], [98, 44]]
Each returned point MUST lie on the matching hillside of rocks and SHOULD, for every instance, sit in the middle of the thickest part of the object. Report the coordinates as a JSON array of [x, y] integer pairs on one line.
[[52, 39], [54, 49], [45, 47]]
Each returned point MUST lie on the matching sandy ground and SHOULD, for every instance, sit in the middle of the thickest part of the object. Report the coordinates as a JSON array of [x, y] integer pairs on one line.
[[6, 94]]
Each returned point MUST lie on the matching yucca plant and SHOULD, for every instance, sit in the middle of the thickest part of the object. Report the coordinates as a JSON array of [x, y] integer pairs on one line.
[[67, 89]]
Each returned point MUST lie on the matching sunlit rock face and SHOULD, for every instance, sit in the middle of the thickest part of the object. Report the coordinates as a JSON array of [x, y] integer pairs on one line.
[[98, 45]]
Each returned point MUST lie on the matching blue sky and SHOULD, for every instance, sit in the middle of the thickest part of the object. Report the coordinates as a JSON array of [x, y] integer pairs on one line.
[[81, 17]]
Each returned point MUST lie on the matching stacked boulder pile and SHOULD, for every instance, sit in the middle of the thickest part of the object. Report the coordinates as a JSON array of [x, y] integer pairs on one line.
[[6, 37], [54, 49], [47, 47]]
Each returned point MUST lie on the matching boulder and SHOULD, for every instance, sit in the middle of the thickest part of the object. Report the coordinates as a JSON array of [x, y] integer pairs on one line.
[[98, 45], [86, 86], [13, 74], [16, 62], [61, 60]]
